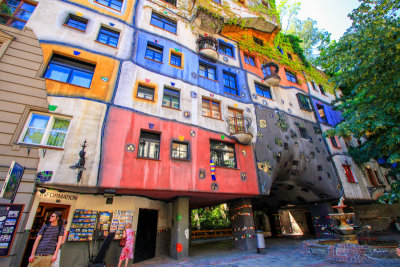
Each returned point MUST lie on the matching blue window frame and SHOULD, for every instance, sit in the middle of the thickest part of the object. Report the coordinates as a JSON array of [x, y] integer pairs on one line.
[[225, 48], [207, 71], [108, 36], [291, 77], [76, 22], [249, 60], [321, 88], [114, 4], [154, 52], [304, 102], [263, 90], [70, 70], [217, 1], [267, 71], [230, 84], [163, 22], [280, 49], [20, 12], [176, 59], [171, 98]]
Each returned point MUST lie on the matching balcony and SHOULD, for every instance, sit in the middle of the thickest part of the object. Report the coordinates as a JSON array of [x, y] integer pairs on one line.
[[207, 47], [240, 128], [376, 191], [271, 71]]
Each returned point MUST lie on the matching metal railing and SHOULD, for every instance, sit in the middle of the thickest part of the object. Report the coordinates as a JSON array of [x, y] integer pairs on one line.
[[207, 42], [210, 233], [239, 124]]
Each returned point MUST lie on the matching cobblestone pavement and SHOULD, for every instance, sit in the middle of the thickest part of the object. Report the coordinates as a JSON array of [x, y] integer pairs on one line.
[[279, 252]]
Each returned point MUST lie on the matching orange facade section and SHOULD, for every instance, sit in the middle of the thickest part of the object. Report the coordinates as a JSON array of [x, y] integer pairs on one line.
[[124, 169], [104, 77], [124, 13]]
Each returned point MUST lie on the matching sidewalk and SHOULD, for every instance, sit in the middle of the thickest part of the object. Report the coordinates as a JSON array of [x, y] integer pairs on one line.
[[279, 252]]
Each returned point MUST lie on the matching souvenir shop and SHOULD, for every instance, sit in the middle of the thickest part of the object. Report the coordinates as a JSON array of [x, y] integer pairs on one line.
[[91, 217]]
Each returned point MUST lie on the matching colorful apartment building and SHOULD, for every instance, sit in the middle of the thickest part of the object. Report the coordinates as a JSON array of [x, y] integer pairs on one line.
[[158, 107]]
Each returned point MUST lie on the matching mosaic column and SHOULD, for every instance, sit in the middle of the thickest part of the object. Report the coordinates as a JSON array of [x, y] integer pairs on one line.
[[179, 247], [243, 230]]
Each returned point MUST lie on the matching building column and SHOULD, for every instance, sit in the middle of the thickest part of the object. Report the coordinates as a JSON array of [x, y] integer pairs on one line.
[[179, 247], [243, 230]]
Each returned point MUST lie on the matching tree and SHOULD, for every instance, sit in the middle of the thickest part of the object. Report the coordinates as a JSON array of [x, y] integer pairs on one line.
[[313, 38], [365, 63]]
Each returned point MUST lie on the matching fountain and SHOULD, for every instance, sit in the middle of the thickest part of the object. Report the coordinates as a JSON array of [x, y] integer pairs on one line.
[[346, 249], [346, 232]]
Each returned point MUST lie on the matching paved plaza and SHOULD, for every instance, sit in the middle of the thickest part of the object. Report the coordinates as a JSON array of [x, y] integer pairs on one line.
[[279, 252]]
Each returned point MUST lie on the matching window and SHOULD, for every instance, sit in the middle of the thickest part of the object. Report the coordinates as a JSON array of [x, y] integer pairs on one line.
[[163, 22], [217, 1], [249, 60], [371, 177], [149, 145], [70, 70], [225, 49], [207, 71], [349, 173], [171, 98], [304, 102], [236, 120], [291, 77], [321, 113], [145, 92], [230, 85], [313, 85], [303, 132], [223, 154], [176, 59], [263, 90], [108, 36], [267, 71], [45, 130], [114, 4], [334, 142], [76, 22], [289, 56], [258, 41], [172, 2], [321, 88], [280, 50], [211, 108], [180, 150], [20, 12], [154, 52]]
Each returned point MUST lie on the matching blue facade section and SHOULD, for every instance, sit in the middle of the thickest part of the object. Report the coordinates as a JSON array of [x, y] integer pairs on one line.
[[190, 71], [333, 117]]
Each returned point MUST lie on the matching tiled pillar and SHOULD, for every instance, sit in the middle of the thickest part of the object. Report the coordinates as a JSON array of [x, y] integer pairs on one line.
[[243, 230], [179, 247]]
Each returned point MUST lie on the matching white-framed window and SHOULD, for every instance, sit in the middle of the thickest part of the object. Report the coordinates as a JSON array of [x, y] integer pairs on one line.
[[45, 130]]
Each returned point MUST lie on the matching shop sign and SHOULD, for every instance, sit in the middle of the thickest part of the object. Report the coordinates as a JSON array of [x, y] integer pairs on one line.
[[10, 214], [58, 195], [12, 181]]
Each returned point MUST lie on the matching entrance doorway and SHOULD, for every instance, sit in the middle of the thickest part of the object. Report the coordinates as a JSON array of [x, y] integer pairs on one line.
[[42, 216], [145, 245]]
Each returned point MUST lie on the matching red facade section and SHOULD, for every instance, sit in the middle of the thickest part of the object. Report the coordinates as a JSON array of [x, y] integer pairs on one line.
[[124, 170]]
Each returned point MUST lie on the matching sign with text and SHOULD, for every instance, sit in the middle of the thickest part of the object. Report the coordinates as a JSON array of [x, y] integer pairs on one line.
[[10, 214], [11, 184]]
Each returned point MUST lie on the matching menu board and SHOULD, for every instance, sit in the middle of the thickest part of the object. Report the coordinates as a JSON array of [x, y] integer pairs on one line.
[[120, 217], [10, 214], [83, 225]]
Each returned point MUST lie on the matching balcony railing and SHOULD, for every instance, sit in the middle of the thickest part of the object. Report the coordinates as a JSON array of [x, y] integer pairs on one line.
[[271, 71], [376, 191], [240, 127], [207, 46]]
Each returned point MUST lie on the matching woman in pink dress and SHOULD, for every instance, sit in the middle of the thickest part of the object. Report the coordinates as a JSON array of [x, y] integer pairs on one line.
[[127, 251]]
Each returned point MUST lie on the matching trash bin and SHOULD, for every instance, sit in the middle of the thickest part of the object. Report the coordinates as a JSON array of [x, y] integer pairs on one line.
[[260, 239]]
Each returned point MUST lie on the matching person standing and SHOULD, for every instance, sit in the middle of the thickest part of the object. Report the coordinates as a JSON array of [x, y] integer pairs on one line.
[[127, 251], [64, 238], [47, 243]]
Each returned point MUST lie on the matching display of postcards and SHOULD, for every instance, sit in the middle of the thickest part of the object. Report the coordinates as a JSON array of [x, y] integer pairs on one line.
[[104, 216], [5, 238], [4, 245], [7, 230], [93, 219], [3, 218], [13, 213], [77, 230], [84, 230], [105, 227], [11, 222], [1, 224]]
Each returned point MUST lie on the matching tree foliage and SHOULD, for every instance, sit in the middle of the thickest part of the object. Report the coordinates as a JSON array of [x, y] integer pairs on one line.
[[210, 218], [393, 196], [365, 64]]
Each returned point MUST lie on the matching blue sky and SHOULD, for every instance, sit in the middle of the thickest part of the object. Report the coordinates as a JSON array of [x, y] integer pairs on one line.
[[331, 15]]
